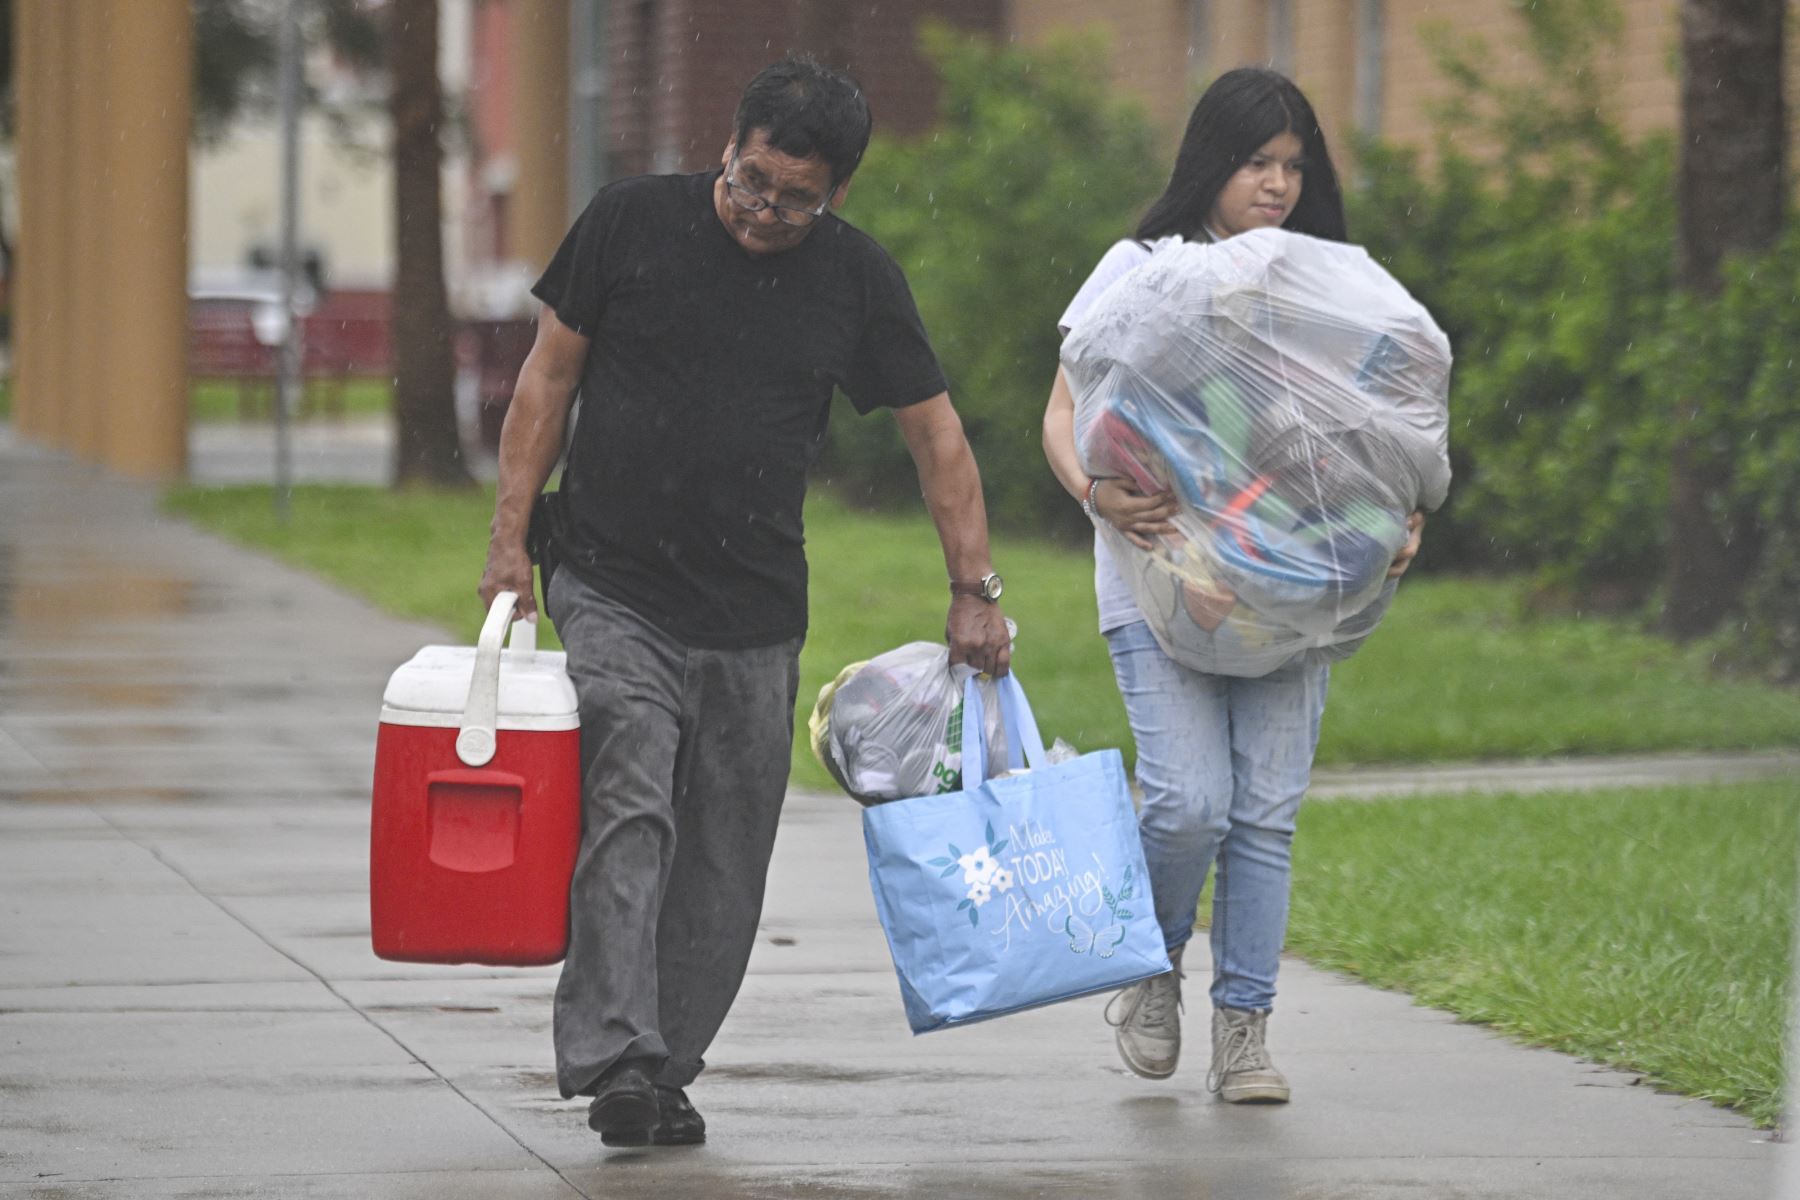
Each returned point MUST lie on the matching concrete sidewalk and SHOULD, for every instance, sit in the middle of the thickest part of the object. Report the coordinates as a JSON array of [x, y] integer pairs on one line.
[[189, 1006]]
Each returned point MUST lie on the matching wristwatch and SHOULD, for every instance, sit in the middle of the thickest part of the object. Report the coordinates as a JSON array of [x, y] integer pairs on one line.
[[988, 589]]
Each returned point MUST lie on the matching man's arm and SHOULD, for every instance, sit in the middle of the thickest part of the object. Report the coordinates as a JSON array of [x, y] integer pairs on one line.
[[951, 484], [530, 441]]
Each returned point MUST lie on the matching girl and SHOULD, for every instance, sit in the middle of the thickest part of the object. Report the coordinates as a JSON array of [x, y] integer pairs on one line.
[[1222, 761]]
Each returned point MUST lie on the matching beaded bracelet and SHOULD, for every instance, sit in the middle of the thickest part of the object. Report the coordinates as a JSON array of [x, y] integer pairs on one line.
[[1087, 502]]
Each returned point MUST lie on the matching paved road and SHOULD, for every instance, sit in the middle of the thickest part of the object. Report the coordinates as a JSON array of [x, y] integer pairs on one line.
[[189, 1007]]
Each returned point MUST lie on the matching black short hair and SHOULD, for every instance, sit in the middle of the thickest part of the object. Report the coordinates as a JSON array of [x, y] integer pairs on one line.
[[807, 109], [1240, 112]]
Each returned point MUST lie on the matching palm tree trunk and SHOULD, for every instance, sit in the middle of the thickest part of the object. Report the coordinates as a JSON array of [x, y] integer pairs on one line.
[[1730, 193]]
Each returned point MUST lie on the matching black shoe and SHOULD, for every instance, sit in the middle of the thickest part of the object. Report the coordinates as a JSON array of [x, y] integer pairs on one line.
[[624, 1110], [679, 1123]]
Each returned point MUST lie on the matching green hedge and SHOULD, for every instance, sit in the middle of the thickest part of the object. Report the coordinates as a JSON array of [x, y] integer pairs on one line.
[[997, 215], [1547, 283], [1549, 262]]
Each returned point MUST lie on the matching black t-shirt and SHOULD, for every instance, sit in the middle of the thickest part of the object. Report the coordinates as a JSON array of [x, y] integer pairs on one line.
[[708, 379]]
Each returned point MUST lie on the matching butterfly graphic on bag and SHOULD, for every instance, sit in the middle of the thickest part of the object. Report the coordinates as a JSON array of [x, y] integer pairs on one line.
[[1085, 939], [1101, 942]]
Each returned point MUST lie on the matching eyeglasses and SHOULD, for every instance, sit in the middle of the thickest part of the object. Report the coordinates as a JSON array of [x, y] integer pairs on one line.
[[749, 201]]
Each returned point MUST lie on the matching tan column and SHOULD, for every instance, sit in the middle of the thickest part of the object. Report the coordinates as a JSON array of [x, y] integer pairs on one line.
[[86, 318], [26, 303], [143, 430], [40, 38], [539, 208], [52, 232]]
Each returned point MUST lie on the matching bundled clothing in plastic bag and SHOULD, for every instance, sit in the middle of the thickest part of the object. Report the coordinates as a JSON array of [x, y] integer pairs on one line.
[[1294, 397], [892, 727]]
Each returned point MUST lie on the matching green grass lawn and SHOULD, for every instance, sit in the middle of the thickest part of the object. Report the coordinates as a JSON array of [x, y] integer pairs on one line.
[[228, 400], [1649, 929], [215, 400], [1456, 672]]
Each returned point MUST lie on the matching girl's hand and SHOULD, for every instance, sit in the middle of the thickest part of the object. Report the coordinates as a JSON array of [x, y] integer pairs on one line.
[[1137, 516], [1415, 530]]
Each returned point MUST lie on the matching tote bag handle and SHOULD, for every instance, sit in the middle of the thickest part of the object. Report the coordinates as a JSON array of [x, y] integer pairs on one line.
[[1024, 744]]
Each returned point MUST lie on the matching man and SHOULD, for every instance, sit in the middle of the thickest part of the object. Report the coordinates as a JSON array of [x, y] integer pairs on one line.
[[705, 320]]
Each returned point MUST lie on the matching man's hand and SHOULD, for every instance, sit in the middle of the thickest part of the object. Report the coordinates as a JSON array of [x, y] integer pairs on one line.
[[508, 570], [1415, 531], [976, 632]]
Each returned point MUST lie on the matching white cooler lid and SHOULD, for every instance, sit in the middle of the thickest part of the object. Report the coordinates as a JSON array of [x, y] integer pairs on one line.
[[432, 689]]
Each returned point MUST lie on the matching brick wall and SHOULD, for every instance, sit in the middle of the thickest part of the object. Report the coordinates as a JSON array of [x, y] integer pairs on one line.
[[1155, 58], [680, 66], [1150, 44], [1150, 54], [636, 80], [1642, 77], [1325, 64]]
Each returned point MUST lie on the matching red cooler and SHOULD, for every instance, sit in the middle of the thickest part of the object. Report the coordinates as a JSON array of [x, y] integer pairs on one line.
[[477, 809]]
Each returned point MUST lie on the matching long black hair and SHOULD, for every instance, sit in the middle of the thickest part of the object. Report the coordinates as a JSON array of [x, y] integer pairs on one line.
[[1237, 116]]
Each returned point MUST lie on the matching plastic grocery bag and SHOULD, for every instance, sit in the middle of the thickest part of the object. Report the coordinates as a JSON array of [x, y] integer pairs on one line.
[[892, 727], [1295, 398], [1022, 891]]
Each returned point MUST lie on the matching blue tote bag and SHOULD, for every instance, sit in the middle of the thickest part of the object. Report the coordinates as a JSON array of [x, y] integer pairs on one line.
[[1017, 891]]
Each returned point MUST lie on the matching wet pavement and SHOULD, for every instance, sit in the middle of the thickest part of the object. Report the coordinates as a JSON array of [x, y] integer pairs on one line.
[[189, 1006]]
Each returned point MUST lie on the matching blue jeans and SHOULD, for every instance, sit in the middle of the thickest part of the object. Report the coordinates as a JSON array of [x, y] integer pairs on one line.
[[1222, 763]]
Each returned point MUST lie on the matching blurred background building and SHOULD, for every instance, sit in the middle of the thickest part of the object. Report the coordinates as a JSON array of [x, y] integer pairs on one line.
[[548, 100], [1364, 63]]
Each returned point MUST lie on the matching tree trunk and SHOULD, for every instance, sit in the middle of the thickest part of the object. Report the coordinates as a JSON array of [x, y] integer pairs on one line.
[[427, 449], [1730, 192]]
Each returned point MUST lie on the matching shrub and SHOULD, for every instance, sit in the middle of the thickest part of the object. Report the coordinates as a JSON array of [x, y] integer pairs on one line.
[[1549, 262], [996, 216]]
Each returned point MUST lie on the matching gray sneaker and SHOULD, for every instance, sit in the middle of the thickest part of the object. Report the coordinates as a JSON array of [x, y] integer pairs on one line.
[[1146, 1018], [1242, 1072]]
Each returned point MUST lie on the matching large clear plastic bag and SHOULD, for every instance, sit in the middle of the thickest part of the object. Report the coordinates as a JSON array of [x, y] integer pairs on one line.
[[1295, 398], [891, 728]]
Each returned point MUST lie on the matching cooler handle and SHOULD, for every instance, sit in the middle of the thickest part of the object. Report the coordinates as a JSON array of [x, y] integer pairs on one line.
[[477, 739], [524, 630]]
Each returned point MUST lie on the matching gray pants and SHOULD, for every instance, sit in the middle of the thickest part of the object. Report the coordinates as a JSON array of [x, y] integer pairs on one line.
[[684, 761]]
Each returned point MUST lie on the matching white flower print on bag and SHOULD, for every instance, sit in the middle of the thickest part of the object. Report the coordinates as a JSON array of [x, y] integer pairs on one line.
[[981, 871]]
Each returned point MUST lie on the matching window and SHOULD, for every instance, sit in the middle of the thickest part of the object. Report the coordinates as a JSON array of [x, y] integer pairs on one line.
[[1199, 41], [1281, 36], [1370, 38]]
